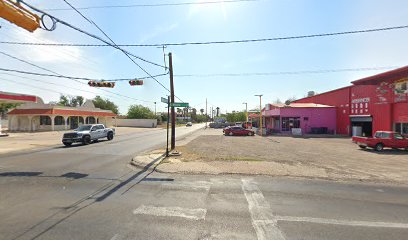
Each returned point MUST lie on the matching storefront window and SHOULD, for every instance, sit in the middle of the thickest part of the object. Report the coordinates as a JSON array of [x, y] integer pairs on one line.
[[288, 123], [45, 120], [401, 128]]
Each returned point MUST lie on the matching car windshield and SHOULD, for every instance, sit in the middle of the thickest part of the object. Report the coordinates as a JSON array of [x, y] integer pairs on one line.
[[84, 128]]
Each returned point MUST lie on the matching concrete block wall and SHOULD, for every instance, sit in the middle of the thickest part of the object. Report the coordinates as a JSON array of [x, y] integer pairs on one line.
[[146, 123]]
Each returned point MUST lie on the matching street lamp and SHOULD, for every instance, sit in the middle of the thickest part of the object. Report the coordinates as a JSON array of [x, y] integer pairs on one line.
[[260, 112], [246, 111]]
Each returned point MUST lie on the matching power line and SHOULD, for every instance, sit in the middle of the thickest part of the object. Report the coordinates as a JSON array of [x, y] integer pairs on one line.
[[113, 44], [57, 20], [152, 5], [217, 42], [50, 83], [48, 70], [72, 78], [286, 72]]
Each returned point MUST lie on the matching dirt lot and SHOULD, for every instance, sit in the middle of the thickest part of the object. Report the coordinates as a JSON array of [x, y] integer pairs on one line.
[[324, 158]]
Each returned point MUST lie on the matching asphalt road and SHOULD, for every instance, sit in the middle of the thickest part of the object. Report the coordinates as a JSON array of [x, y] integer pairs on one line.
[[92, 193]]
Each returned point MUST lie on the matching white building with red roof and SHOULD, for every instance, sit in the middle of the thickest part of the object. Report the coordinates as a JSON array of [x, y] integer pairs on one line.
[[37, 116]]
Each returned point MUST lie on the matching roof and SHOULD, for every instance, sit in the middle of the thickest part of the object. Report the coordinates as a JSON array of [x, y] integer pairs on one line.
[[390, 75], [302, 105], [16, 97], [59, 111]]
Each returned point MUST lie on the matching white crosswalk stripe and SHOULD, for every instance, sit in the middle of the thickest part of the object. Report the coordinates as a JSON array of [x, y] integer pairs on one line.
[[194, 214]]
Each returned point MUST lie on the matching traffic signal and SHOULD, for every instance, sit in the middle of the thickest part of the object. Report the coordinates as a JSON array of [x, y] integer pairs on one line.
[[15, 13], [101, 84], [136, 82]]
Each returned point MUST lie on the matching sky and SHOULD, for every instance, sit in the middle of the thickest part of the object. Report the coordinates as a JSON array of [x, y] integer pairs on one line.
[[209, 22]]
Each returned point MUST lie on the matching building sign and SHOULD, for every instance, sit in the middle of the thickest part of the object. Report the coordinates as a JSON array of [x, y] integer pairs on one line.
[[360, 105], [361, 100], [401, 90]]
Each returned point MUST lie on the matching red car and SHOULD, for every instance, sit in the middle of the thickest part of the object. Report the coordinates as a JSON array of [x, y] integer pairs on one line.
[[381, 140], [238, 131]]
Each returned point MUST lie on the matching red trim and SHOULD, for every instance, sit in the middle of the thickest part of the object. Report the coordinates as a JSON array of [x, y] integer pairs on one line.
[[390, 75], [60, 112], [25, 98]]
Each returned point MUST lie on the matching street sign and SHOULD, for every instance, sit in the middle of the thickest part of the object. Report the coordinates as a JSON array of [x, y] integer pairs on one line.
[[178, 104], [164, 100]]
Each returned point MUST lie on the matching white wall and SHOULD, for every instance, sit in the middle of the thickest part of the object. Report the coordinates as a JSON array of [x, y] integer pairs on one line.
[[4, 123], [147, 123]]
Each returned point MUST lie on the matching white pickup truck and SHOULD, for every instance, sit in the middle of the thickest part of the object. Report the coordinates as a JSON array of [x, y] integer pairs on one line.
[[85, 134]]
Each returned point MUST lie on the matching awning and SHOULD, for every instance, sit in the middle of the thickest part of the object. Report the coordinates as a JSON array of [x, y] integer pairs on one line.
[[6, 97], [361, 118]]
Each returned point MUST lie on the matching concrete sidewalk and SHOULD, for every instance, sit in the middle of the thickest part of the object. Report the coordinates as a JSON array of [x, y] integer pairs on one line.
[[35, 140]]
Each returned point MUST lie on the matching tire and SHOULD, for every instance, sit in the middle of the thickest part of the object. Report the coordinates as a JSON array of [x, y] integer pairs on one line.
[[86, 140], [231, 134], [379, 147], [110, 136], [363, 147], [250, 134], [67, 144]]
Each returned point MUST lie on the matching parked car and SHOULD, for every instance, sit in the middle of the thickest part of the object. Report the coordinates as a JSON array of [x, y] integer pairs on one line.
[[238, 131], [189, 124], [85, 134], [381, 140]]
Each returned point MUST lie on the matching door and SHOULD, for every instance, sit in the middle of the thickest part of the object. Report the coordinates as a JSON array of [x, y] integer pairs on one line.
[[399, 141], [94, 132]]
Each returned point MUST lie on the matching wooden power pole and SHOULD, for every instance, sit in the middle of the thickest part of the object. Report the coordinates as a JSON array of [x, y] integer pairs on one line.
[[173, 115]]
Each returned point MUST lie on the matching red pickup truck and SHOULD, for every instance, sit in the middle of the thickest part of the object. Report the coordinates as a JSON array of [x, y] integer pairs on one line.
[[381, 140]]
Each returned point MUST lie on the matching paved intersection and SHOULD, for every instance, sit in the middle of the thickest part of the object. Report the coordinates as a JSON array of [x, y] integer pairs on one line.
[[92, 193]]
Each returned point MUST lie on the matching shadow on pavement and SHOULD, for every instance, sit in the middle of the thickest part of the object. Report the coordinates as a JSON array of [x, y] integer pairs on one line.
[[131, 178]]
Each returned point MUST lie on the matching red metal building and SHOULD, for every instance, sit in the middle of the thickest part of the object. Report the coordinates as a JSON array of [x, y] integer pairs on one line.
[[379, 102]]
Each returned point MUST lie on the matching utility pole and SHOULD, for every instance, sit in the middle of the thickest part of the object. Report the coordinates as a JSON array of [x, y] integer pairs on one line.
[[168, 121], [155, 113], [206, 115], [246, 111], [173, 115], [260, 113]]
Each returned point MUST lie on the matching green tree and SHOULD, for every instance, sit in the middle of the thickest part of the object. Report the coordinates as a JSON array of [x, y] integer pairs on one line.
[[71, 101], [5, 107], [105, 104], [140, 112], [202, 111], [236, 117]]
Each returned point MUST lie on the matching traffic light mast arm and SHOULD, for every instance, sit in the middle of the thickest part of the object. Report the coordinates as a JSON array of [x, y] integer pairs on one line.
[[15, 13]]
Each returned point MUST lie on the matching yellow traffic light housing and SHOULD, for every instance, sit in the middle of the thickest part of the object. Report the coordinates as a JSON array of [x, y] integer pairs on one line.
[[15, 13]]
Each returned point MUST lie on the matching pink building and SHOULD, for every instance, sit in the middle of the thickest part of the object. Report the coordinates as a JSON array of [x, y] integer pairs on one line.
[[309, 117]]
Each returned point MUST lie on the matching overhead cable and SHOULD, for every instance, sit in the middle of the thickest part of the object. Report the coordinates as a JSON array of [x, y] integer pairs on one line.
[[286, 72], [152, 5], [254, 40], [76, 80], [114, 45], [57, 20]]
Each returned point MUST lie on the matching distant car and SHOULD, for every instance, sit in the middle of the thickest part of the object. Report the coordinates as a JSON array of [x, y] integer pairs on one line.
[[381, 140], [238, 131], [85, 134], [189, 124]]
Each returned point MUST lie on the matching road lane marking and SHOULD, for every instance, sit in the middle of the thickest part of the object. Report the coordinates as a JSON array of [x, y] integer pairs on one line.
[[342, 222], [195, 186], [189, 213], [263, 221]]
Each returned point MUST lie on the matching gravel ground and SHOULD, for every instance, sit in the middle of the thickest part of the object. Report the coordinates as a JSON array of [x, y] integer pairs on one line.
[[324, 158]]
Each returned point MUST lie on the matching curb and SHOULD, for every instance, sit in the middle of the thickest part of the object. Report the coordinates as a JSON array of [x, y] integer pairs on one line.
[[147, 161]]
